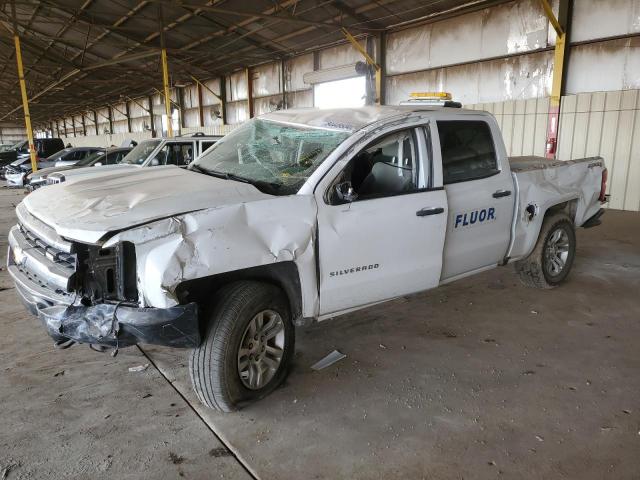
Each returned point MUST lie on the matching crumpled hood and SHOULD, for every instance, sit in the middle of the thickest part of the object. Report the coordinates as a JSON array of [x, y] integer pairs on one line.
[[86, 210]]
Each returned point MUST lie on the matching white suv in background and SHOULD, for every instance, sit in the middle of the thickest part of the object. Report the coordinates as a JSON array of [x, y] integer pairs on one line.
[[179, 151]]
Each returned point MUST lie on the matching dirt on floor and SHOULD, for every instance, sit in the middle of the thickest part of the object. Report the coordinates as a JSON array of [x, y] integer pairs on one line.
[[483, 378]]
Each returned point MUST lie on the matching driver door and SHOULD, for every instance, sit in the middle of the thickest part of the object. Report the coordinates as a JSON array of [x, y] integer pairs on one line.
[[388, 241]]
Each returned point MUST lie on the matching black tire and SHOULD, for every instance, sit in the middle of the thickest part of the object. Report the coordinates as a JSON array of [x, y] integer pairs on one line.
[[535, 270], [213, 366]]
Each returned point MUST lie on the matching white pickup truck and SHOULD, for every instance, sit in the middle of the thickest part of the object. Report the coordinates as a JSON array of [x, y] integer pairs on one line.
[[294, 217]]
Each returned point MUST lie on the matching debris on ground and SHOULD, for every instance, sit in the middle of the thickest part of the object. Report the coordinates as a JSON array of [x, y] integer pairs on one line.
[[59, 374], [219, 452], [329, 360], [139, 368], [5, 471], [175, 459], [539, 438], [383, 347], [534, 312]]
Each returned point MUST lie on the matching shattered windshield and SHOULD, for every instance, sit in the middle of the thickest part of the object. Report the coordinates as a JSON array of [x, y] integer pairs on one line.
[[277, 158], [140, 153]]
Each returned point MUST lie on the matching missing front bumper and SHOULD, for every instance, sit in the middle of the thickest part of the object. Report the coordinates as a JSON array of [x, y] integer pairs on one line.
[[108, 324], [121, 326]]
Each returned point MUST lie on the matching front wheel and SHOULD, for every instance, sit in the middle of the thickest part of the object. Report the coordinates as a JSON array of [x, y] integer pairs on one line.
[[552, 258], [247, 347]]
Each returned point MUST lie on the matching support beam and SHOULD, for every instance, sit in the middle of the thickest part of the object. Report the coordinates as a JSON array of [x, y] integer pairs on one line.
[[180, 98], [561, 25], [165, 75], [283, 81], [84, 125], [381, 77], [128, 114], [95, 122], [370, 61], [152, 125], [110, 120], [64, 125], [248, 73], [73, 125], [200, 110], [23, 91], [223, 99]]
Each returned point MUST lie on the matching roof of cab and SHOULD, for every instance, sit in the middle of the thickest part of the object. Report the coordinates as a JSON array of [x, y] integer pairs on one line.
[[350, 119]]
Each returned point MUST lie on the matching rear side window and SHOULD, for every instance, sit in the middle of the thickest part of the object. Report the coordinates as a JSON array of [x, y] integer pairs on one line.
[[205, 145], [468, 152]]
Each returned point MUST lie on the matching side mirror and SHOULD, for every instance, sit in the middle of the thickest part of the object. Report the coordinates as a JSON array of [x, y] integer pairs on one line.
[[345, 192], [155, 162], [97, 164]]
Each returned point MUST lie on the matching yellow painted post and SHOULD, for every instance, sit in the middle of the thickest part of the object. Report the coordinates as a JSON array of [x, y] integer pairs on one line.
[[167, 95], [556, 85], [25, 101], [369, 61]]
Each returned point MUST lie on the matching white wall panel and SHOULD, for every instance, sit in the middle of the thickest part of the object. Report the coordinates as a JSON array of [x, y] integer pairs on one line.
[[266, 79], [505, 29], [338, 56], [300, 99], [237, 112], [209, 98], [604, 18], [267, 104], [521, 77], [237, 86], [105, 140], [190, 96], [191, 117], [612, 65], [295, 70]]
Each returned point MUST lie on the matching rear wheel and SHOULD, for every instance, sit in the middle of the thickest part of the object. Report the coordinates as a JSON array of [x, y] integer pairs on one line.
[[247, 347], [551, 260]]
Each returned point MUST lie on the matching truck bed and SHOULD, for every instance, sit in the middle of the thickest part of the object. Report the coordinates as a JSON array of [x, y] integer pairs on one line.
[[542, 183], [531, 162]]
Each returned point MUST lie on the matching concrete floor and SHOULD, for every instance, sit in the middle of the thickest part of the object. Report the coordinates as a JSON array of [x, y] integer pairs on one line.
[[483, 378]]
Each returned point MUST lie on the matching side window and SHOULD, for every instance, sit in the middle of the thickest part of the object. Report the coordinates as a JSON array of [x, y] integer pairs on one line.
[[468, 152], [110, 158], [179, 154], [204, 146], [386, 167]]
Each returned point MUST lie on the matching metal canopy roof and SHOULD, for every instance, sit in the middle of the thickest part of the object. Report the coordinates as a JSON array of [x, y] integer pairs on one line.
[[83, 54]]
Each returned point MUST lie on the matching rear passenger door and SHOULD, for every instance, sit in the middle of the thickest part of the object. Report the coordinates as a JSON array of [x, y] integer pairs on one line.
[[388, 240], [479, 187]]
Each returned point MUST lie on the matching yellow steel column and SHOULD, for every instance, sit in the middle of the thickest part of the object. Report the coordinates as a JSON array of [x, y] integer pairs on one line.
[[23, 90], [167, 96], [369, 60], [165, 75], [556, 85]]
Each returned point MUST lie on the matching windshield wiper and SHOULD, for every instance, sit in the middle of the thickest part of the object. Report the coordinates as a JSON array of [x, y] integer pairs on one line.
[[225, 175]]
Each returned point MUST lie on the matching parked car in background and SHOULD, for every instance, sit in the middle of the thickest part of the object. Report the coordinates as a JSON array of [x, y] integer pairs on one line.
[[45, 147], [5, 146], [75, 155], [110, 156], [16, 172], [179, 151]]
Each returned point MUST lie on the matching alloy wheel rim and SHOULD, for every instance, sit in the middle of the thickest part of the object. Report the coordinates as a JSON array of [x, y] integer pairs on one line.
[[261, 349], [557, 252]]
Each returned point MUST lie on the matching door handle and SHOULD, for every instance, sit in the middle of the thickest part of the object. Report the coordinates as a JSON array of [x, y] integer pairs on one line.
[[429, 211], [501, 193]]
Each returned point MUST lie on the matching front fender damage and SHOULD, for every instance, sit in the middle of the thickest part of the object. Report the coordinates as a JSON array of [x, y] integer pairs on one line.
[[224, 239]]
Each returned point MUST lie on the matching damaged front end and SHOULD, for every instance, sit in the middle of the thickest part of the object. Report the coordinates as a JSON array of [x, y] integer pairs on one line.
[[88, 294]]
